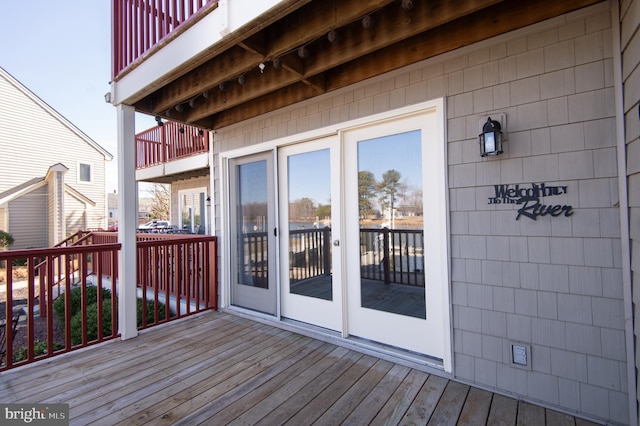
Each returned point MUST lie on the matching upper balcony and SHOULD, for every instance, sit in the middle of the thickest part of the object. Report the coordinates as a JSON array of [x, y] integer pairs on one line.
[[215, 63], [170, 150]]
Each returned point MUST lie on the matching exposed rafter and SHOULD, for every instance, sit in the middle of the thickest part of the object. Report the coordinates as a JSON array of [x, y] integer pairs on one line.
[[352, 54]]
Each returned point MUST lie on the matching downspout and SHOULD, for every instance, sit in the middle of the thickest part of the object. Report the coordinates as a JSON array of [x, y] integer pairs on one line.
[[624, 212]]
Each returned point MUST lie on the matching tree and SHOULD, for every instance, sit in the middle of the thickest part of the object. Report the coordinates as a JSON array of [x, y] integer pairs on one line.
[[6, 239], [388, 189], [366, 192], [323, 210], [302, 208], [160, 201]]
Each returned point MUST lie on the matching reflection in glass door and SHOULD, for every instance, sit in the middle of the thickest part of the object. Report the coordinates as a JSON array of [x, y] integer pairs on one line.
[[252, 208], [391, 224], [309, 240]]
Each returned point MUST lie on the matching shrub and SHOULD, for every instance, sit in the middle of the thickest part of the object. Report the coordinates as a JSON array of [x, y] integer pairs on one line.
[[92, 322], [150, 312], [39, 348], [92, 319], [76, 300]]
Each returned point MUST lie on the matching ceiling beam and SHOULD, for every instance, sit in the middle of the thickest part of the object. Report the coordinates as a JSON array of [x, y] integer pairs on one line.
[[464, 31], [467, 30], [301, 26], [286, 96]]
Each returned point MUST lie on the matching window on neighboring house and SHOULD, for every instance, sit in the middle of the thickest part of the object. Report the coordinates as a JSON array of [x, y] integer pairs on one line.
[[84, 172]]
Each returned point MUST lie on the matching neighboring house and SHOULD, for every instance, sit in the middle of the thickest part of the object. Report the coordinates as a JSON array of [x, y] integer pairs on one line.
[[52, 176], [527, 263], [112, 210]]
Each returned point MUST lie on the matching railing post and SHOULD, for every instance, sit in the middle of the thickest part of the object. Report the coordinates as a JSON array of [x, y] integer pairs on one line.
[[163, 144], [326, 249], [385, 259]]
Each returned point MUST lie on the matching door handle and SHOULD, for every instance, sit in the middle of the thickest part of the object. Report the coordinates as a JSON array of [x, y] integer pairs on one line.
[[336, 243]]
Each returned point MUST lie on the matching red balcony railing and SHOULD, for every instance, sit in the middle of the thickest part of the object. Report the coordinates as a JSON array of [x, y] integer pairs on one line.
[[169, 142], [64, 290], [140, 25]]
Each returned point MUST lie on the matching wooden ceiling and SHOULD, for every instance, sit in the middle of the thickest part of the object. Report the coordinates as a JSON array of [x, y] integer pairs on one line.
[[312, 47]]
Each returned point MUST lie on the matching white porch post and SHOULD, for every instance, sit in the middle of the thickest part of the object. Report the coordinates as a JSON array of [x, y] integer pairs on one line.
[[127, 188]]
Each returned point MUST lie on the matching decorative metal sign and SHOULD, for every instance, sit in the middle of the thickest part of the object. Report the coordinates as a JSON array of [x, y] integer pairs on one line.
[[529, 198]]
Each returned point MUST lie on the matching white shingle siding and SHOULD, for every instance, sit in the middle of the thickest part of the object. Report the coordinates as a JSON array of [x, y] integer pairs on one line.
[[554, 283], [630, 41]]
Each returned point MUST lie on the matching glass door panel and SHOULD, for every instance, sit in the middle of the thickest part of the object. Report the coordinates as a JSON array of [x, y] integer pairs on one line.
[[193, 211], [310, 291], [396, 234], [253, 245], [310, 224]]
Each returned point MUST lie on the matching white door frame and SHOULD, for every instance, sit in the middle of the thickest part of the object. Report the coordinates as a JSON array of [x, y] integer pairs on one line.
[[437, 107]]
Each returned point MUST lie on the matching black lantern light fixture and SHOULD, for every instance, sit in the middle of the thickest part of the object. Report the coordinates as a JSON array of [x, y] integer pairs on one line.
[[491, 138]]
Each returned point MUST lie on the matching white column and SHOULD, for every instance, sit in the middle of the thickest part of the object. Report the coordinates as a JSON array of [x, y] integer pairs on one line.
[[127, 189]]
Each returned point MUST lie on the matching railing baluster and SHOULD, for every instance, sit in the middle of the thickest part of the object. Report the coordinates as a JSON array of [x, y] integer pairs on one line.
[[187, 265], [139, 25]]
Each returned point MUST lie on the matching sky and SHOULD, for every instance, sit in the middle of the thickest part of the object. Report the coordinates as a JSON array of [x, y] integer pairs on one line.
[[61, 51]]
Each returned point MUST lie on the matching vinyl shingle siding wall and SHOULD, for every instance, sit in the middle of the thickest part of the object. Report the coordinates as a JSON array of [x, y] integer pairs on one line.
[[630, 41], [554, 283], [28, 226], [32, 139]]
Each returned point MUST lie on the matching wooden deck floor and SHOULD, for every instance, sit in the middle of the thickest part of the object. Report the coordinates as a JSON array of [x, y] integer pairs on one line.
[[217, 368]]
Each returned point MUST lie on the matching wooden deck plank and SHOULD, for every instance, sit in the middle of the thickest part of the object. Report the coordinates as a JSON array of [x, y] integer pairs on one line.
[[325, 399], [158, 385], [151, 376], [86, 361], [253, 414], [157, 361], [503, 412], [556, 418], [370, 406], [396, 406], [211, 382], [345, 405], [476, 407], [423, 405], [450, 405], [265, 391], [529, 414], [211, 400], [218, 368], [310, 391]]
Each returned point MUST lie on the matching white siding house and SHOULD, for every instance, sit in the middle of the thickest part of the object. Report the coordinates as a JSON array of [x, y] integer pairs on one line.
[[52, 175]]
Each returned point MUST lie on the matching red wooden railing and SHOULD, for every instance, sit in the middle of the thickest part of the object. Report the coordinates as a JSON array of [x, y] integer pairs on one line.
[[42, 288], [168, 142], [175, 267], [175, 271], [140, 25]]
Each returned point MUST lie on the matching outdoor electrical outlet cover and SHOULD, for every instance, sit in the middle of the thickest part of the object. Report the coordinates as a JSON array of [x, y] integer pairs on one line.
[[521, 355]]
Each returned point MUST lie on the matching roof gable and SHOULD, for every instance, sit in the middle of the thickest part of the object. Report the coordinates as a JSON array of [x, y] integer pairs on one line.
[[49, 110], [21, 189]]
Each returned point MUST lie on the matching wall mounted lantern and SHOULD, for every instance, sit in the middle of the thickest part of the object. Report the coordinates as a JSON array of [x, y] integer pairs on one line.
[[491, 138]]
